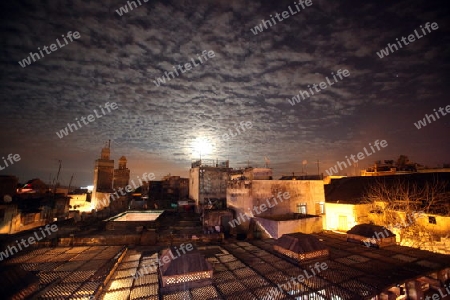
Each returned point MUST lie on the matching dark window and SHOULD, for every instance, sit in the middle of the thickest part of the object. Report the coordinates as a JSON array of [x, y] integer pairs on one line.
[[28, 219], [432, 220]]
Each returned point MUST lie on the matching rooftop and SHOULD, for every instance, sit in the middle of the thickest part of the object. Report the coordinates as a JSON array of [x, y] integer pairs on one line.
[[242, 270]]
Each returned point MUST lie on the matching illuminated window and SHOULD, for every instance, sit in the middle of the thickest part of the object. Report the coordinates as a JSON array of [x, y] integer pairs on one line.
[[320, 208], [301, 208]]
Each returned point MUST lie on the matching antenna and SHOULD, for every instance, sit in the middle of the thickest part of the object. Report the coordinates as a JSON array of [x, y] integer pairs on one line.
[[57, 176], [266, 162], [70, 182], [318, 168]]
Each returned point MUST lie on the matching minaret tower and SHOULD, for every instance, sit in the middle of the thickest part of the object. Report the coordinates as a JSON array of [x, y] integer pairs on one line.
[[103, 179]]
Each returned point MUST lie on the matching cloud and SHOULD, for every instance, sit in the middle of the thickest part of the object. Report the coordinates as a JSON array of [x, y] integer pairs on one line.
[[117, 58]]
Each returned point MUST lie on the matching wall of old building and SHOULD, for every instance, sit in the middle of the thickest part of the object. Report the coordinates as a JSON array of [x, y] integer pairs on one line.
[[79, 202], [194, 185], [277, 197], [9, 213], [276, 228], [206, 182], [100, 200], [342, 217]]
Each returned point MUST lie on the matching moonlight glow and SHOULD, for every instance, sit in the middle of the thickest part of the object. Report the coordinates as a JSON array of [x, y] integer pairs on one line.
[[201, 147]]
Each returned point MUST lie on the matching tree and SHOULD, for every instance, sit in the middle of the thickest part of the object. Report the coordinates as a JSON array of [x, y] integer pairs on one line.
[[402, 162], [399, 205]]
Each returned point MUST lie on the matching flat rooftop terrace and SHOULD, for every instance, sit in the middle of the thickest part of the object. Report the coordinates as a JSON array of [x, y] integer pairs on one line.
[[242, 270], [138, 215]]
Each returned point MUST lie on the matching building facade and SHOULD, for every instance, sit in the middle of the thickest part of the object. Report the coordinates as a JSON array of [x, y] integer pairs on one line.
[[280, 200], [121, 179], [103, 180], [208, 182]]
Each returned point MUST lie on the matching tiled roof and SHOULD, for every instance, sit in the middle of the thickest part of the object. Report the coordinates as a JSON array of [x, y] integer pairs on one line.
[[242, 270], [189, 262], [300, 243]]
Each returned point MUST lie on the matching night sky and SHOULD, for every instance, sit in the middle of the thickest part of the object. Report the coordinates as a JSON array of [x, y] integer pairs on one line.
[[249, 79]]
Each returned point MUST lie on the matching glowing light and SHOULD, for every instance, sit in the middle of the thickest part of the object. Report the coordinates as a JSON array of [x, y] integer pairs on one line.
[[201, 147]]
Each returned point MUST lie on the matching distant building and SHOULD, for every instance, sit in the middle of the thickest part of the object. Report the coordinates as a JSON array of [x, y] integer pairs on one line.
[[8, 186], [208, 182], [347, 205], [175, 188], [167, 192], [301, 177], [252, 173], [121, 179], [8, 209], [383, 169], [30, 206], [155, 194], [103, 180], [388, 167], [121, 174], [80, 200], [279, 206]]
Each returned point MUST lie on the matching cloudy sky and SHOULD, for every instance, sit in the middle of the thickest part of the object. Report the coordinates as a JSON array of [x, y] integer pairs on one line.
[[250, 79]]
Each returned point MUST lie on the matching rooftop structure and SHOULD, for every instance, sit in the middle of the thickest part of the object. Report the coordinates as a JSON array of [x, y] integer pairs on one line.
[[188, 270], [142, 215], [371, 235], [242, 270], [301, 247], [208, 180], [133, 219]]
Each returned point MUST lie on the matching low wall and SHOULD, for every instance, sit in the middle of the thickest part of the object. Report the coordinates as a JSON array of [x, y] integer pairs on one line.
[[97, 241], [276, 228]]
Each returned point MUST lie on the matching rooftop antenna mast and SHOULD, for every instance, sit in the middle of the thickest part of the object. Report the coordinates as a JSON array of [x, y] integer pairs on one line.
[[57, 177], [266, 162], [318, 168], [70, 183], [304, 167]]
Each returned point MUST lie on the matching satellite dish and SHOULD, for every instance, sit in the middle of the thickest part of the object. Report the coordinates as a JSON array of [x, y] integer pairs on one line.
[[7, 198]]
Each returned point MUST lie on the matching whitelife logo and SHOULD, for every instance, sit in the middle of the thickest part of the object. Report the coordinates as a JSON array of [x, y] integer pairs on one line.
[[319, 267], [124, 9], [90, 118], [27, 61], [422, 123], [31, 240], [360, 155], [391, 48], [284, 15], [262, 208], [205, 54], [11, 158], [128, 189], [164, 259], [323, 85], [243, 126], [440, 295]]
